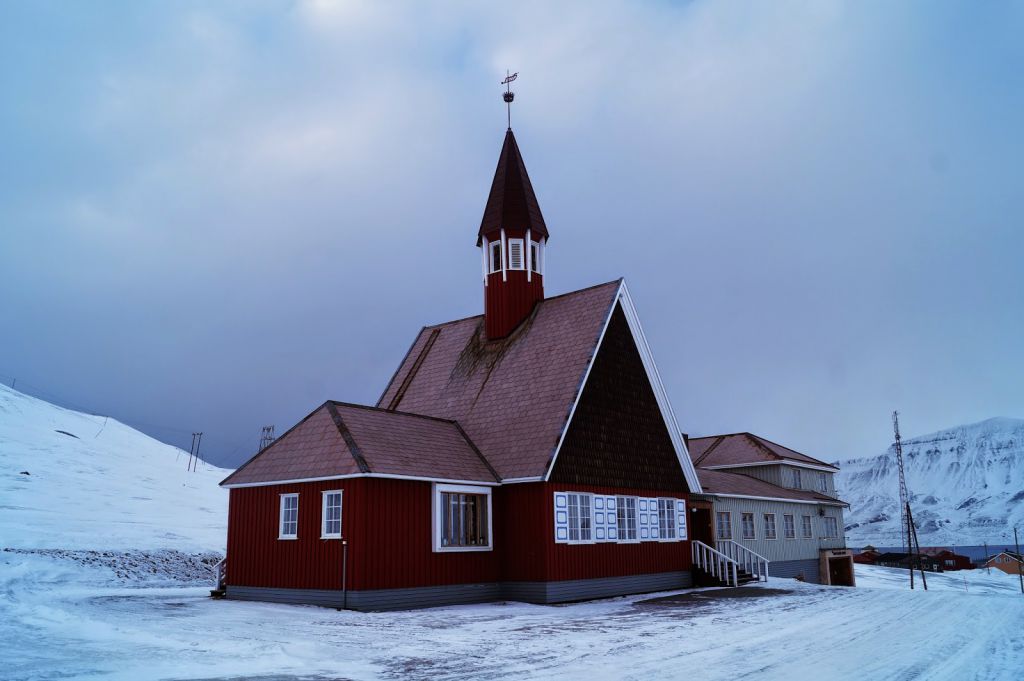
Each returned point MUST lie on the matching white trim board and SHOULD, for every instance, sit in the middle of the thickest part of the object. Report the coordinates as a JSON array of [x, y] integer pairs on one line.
[[623, 298], [839, 504], [361, 475], [780, 462]]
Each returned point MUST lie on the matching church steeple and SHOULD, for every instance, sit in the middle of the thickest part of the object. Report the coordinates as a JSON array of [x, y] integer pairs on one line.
[[513, 239]]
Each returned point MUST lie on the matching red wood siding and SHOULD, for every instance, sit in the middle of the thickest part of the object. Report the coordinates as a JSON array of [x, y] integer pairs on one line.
[[508, 303], [387, 524]]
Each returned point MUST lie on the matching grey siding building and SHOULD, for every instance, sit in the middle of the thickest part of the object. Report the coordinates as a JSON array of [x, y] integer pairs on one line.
[[776, 502]]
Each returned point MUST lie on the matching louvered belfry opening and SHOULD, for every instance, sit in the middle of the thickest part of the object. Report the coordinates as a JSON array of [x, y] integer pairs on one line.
[[513, 238]]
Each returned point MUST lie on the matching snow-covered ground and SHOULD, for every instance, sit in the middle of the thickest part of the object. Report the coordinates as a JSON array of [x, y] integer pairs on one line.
[[63, 620], [70, 480]]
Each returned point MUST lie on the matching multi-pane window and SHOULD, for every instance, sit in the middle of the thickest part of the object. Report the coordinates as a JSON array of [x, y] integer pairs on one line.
[[796, 479], [789, 526], [724, 522], [516, 255], [495, 256], [534, 256], [748, 526], [667, 518], [330, 524], [769, 526], [289, 521], [831, 526], [823, 482], [808, 532], [464, 522], [626, 518], [579, 518]]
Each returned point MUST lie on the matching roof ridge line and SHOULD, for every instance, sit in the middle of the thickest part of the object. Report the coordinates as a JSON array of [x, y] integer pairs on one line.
[[714, 445], [384, 410], [346, 435], [472, 445], [759, 437]]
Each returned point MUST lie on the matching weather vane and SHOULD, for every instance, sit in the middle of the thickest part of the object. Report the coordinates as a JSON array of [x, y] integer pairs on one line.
[[508, 95]]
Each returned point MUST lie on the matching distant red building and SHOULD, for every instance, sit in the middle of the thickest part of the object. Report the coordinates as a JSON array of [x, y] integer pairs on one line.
[[949, 559], [529, 453]]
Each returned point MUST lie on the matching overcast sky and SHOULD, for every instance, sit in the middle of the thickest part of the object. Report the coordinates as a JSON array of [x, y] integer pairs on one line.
[[215, 216]]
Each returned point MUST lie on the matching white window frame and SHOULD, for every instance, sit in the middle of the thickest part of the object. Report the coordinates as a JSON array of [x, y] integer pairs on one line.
[[280, 517], [807, 529], [786, 528], [774, 527], [797, 479], [440, 489], [534, 256], [718, 525], [494, 246], [669, 504], [823, 482], [827, 534], [579, 517], [324, 534], [753, 526], [622, 504], [512, 243]]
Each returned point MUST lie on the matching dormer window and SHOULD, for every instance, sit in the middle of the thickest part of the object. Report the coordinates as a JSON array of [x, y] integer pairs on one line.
[[516, 255], [535, 257], [796, 479], [495, 256]]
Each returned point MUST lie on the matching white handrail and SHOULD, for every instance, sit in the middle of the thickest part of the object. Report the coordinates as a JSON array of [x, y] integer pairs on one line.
[[221, 569], [754, 563], [715, 563]]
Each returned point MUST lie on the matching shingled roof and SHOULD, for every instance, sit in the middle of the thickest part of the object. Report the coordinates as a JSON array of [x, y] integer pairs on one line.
[[744, 448], [339, 439], [722, 482], [511, 203], [513, 396]]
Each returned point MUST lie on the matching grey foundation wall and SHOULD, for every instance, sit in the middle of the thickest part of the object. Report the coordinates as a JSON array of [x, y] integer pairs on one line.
[[459, 594], [792, 568]]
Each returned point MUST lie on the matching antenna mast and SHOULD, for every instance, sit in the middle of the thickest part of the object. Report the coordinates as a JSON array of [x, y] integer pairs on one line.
[[266, 437], [909, 539]]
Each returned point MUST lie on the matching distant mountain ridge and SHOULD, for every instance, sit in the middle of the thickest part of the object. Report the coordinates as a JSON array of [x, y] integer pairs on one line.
[[966, 485]]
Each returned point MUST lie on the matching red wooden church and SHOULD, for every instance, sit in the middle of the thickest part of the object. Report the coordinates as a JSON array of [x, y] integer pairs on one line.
[[529, 453]]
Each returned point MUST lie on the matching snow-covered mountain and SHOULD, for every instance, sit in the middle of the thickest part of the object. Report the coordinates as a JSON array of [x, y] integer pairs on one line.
[[74, 481], [966, 486]]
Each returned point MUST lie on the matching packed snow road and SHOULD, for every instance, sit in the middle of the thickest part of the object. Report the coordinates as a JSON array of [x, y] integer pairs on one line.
[[786, 630]]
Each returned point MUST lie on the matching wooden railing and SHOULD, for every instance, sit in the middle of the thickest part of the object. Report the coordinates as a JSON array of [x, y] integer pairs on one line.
[[753, 563], [715, 563]]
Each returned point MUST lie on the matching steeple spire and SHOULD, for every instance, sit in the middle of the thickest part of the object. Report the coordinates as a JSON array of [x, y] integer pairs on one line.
[[513, 238]]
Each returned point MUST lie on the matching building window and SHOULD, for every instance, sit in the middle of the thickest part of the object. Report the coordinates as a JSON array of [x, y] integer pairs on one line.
[[808, 532], [724, 524], [831, 527], [579, 518], [789, 526], [748, 526], [495, 256], [516, 255], [797, 482], [462, 518], [330, 523], [769, 526], [667, 519], [823, 482], [535, 256], [289, 524], [627, 518]]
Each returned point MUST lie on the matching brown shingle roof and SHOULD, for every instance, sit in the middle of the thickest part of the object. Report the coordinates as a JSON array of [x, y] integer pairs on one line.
[[512, 396], [740, 448], [345, 439], [511, 203], [722, 482]]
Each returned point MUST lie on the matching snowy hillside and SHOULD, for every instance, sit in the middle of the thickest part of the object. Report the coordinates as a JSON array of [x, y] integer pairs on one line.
[[73, 481], [966, 486]]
